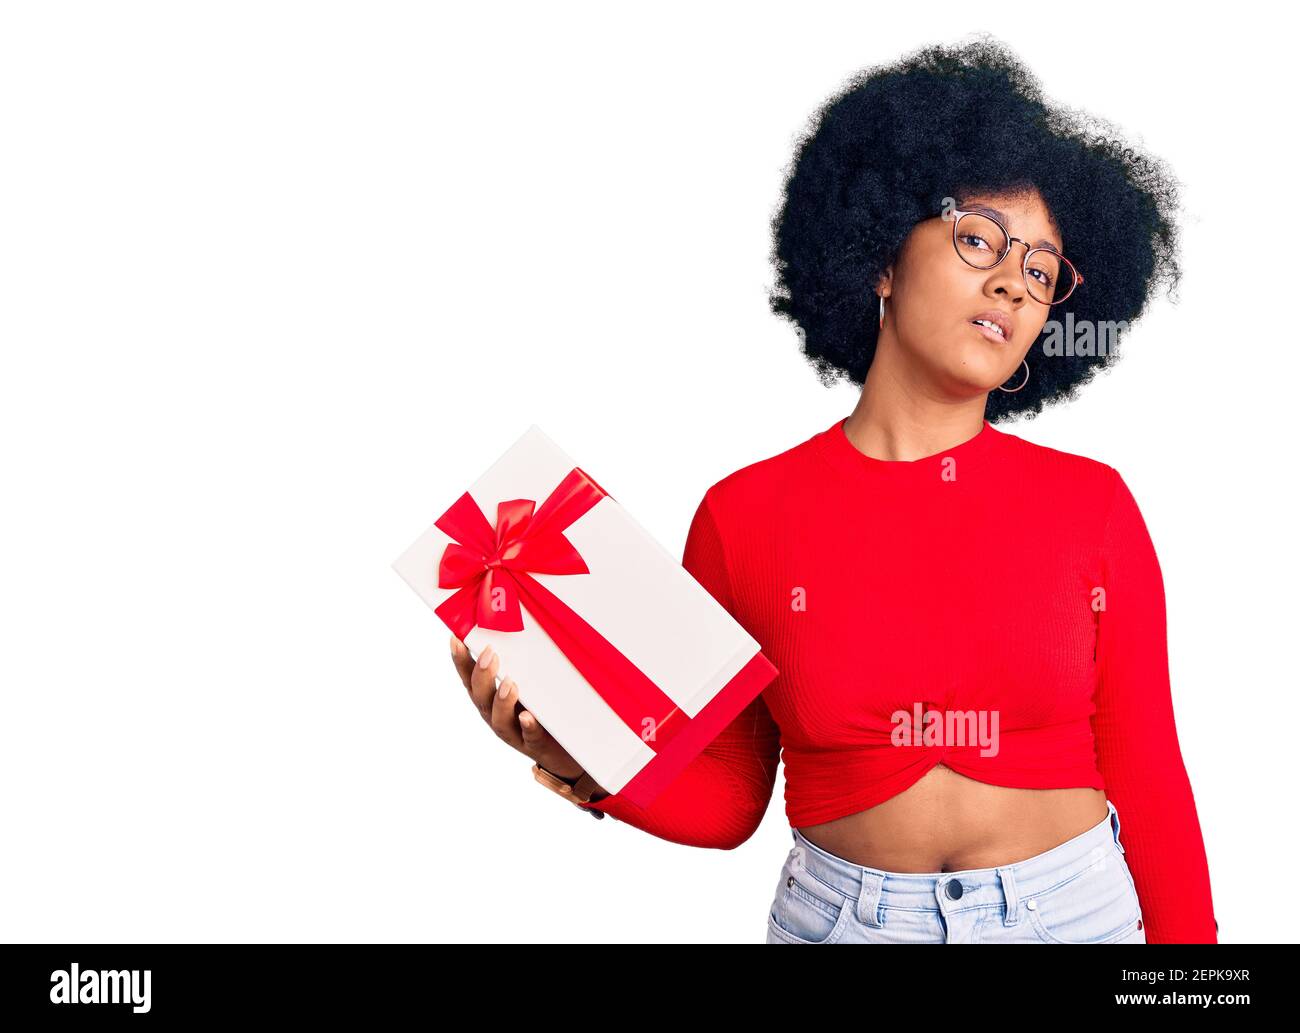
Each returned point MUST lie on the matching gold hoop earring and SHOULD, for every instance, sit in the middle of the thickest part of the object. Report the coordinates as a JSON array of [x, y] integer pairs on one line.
[[1013, 390]]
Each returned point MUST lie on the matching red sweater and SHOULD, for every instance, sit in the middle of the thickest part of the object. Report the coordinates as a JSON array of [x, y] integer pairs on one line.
[[1000, 578]]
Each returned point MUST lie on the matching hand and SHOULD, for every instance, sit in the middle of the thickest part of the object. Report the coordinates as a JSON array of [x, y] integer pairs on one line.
[[500, 708]]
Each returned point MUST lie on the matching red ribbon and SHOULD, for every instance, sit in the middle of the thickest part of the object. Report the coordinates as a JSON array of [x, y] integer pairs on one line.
[[491, 565]]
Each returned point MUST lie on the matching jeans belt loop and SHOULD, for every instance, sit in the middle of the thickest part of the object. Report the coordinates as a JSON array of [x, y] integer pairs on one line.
[[869, 899], [1011, 914]]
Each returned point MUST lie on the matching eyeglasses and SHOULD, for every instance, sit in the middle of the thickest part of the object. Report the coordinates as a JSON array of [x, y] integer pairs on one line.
[[983, 242]]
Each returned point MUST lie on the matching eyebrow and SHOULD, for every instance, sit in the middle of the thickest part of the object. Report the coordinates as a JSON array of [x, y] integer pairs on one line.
[[1001, 217]]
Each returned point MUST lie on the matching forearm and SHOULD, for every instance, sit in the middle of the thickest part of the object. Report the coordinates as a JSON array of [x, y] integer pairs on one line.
[[710, 804], [1161, 834]]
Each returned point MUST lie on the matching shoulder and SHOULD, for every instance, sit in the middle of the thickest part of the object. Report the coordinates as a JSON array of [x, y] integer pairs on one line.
[[756, 486], [1067, 462], [1071, 474]]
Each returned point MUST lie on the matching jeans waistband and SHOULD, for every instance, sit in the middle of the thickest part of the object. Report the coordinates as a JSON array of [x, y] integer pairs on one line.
[[874, 888]]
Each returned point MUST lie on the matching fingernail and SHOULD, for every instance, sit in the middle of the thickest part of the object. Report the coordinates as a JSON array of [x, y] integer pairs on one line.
[[507, 689], [485, 657], [455, 650]]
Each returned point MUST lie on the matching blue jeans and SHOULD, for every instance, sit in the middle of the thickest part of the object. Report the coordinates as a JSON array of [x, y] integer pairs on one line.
[[1078, 892]]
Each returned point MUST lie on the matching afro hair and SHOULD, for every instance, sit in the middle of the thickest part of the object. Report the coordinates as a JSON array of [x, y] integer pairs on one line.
[[886, 152]]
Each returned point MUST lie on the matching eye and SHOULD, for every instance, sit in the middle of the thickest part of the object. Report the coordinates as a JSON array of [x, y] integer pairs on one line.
[[965, 237]]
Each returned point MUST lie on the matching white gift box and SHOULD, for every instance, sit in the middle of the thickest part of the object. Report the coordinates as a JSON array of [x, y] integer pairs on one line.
[[655, 667]]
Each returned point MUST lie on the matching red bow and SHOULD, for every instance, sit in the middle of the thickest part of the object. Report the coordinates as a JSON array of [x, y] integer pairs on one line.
[[482, 560], [491, 566]]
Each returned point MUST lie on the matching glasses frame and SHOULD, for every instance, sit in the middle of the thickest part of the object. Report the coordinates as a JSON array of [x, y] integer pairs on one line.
[[956, 215]]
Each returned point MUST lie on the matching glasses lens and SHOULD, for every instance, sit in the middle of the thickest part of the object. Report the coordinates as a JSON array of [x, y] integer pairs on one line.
[[1050, 277], [981, 242]]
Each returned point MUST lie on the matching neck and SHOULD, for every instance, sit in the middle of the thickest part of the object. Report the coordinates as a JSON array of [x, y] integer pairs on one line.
[[893, 426]]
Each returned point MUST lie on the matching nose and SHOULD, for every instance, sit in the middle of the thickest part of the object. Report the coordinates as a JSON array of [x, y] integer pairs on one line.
[[1008, 279]]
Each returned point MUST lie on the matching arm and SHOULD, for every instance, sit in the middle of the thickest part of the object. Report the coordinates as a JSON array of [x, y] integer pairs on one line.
[[720, 797], [1137, 742]]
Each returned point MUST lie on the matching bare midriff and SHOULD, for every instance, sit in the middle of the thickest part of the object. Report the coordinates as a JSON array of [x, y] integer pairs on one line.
[[946, 822]]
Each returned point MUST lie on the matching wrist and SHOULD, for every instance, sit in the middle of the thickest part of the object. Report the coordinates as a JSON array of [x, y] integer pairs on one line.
[[569, 778], [581, 790]]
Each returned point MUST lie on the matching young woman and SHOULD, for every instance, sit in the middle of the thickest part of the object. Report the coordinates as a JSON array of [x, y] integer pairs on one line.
[[969, 627]]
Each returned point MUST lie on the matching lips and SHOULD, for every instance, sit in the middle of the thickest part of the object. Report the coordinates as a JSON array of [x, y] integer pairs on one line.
[[999, 319]]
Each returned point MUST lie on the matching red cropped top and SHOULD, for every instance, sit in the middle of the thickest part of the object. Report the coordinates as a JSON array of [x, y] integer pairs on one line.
[[997, 608]]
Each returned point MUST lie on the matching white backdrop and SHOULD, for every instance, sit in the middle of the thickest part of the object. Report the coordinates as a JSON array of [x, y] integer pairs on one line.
[[279, 280]]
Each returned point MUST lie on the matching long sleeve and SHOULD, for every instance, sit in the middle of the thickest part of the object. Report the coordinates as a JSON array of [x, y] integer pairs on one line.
[[1138, 754], [720, 797]]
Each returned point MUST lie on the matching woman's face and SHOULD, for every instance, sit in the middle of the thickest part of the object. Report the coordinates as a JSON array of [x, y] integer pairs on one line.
[[932, 298]]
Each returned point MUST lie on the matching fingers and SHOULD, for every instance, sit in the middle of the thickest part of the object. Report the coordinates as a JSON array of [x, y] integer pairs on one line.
[[461, 658], [479, 679], [482, 680], [499, 706], [505, 720], [535, 737]]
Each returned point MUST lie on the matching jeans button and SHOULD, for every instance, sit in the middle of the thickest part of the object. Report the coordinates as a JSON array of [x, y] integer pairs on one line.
[[954, 890]]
